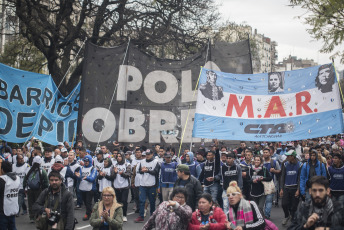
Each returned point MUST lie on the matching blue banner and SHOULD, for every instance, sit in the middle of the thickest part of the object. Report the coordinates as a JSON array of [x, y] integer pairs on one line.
[[277, 106], [31, 105]]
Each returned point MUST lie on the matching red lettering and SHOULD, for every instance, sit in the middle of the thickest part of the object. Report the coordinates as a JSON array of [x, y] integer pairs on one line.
[[303, 104], [275, 107], [246, 103]]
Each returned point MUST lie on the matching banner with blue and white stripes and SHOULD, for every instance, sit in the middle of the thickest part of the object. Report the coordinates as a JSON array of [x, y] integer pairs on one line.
[[277, 106]]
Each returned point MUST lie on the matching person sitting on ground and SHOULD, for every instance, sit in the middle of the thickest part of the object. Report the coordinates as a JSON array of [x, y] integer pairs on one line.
[[107, 214], [242, 214], [208, 215], [174, 214]]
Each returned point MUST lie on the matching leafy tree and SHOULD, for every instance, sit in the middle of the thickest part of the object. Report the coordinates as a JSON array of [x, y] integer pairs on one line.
[[326, 18], [58, 27], [21, 54]]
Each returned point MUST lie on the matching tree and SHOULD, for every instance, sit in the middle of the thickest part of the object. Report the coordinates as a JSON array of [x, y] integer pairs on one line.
[[58, 27], [21, 54], [326, 18]]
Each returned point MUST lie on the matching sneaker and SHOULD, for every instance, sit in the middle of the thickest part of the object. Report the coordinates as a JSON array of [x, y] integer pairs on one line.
[[285, 221], [32, 221], [139, 220], [132, 201], [137, 211], [86, 217], [125, 219], [146, 210], [17, 215], [77, 207], [24, 212]]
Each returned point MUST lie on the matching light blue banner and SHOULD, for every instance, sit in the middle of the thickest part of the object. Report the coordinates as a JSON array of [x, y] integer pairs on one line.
[[278, 106], [31, 105]]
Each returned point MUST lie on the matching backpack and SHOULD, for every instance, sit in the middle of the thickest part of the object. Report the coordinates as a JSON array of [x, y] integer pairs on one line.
[[270, 225], [34, 180]]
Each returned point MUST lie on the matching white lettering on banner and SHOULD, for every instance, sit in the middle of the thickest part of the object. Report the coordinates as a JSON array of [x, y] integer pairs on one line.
[[129, 79], [159, 121], [130, 126], [187, 89], [98, 114], [171, 87]]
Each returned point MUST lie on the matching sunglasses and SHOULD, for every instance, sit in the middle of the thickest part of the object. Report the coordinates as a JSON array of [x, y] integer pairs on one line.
[[233, 194]]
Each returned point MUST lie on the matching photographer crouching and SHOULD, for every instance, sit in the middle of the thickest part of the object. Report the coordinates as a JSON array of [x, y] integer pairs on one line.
[[320, 212], [55, 206]]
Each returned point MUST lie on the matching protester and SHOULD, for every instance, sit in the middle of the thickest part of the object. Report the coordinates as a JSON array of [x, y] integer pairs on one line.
[[174, 214], [290, 183], [257, 174], [122, 174], [87, 177], [21, 169], [336, 175], [190, 183], [208, 215], [136, 178], [319, 212], [242, 214], [9, 187], [107, 213], [36, 180], [168, 176], [55, 201], [195, 168]]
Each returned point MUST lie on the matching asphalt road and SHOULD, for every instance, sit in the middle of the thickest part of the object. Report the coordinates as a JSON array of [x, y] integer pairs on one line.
[[23, 223]]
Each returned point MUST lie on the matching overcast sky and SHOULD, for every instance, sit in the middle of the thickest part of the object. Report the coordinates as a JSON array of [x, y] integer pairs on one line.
[[280, 22]]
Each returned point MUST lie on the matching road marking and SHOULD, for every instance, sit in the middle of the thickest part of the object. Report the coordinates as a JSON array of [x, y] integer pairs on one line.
[[84, 227], [130, 213]]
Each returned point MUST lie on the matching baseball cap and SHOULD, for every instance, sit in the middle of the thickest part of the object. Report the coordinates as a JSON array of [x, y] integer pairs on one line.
[[143, 153], [167, 155], [291, 153], [183, 168], [58, 159], [148, 152], [60, 143], [63, 150]]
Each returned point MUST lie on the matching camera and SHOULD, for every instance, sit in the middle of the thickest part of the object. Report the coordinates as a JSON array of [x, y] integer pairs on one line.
[[54, 218]]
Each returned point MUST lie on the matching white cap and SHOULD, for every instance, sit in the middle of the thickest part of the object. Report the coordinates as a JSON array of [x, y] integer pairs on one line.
[[58, 158], [60, 143], [37, 159], [63, 150], [144, 153]]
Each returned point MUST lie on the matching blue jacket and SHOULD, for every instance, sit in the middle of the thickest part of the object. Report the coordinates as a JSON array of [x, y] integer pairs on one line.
[[320, 170], [93, 175]]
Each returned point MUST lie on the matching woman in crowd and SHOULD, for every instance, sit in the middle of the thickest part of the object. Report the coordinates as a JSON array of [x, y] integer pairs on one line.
[[258, 173], [171, 215], [242, 214], [107, 214], [105, 176], [208, 215]]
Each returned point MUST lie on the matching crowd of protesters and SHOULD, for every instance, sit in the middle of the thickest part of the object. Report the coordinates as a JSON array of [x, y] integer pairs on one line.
[[213, 187]]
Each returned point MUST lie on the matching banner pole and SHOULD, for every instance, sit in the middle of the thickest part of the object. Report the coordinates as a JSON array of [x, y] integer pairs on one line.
[[57, 89], [113, 94], [187, 118], [340, 88]]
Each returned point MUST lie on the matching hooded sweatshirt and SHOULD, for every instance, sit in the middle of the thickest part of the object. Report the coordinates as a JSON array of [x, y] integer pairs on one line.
[[89, 183], [194, 166]]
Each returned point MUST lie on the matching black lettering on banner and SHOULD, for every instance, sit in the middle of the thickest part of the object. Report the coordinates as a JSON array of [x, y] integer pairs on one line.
[[265, 128], [47, 96], [60, 131], [71, 129], [64, 105], [54, 105], [9, 121], [35, 96], [44, 124], [21, 124], [16, 95], [3, 90]]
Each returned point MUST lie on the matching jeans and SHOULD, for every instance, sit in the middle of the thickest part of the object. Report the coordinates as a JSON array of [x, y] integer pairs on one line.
[[122, 197], [78, 194], [7, 222], [137, 197], [21, 201], [145, 192], [260, 201], [225, 202], [212, 190], [268, 204], [166, 193], [32, 196]]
